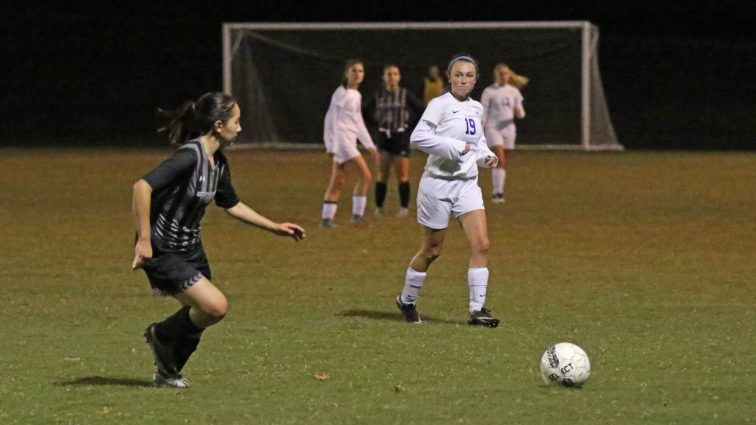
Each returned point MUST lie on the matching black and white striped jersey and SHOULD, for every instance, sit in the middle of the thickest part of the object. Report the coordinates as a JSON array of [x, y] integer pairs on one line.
[[182, 186], [394, 111]]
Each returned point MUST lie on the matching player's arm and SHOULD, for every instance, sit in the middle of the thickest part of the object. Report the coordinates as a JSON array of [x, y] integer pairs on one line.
[[519, 110], [485, 100], [415, 104], [140, 207], [425, 139], [243, 213]]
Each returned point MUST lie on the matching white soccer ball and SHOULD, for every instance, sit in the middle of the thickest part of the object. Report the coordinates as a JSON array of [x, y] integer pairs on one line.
[[565, 363]]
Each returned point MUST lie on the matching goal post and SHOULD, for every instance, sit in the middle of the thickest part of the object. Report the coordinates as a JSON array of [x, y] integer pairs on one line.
[[283, 74]]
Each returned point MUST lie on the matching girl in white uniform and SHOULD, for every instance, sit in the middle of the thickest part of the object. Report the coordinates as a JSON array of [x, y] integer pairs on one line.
[[450, 131], [343, 126], [502, 102]]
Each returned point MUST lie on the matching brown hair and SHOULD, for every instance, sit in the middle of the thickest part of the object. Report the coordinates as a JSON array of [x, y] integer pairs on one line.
[[196, 117], [349, 64], [465, 58]]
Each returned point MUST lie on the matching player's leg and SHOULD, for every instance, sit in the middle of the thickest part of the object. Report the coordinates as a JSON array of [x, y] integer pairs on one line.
[[474, 225], [402, 166], [381, 184], [498, 175], [332, 194], [433, 215], [496, 142], [358, 166], [430, 249], [204, 306], [508, 143]]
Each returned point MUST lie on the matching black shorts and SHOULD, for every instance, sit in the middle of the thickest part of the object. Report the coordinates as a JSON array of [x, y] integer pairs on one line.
[[397, 145], [172, 273]]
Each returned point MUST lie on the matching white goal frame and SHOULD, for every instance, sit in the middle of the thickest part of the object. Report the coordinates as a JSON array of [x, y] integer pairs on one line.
[[587, 43]]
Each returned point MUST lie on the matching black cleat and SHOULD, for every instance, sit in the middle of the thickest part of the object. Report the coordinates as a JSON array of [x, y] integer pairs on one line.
[[483, 317], [163, 353], [408, 310], [327, 223]]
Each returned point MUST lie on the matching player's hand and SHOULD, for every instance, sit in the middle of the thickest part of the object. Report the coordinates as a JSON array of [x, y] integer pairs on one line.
[[466, 149], [291, 230], [492, 161], [142, 250]]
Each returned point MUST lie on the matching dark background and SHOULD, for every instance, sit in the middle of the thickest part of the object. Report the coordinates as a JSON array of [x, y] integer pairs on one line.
[[676, 76]]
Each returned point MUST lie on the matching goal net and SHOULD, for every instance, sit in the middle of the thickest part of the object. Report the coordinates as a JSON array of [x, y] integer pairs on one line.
[[283, 74]]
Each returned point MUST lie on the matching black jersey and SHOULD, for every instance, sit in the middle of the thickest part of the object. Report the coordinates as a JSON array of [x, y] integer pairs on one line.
[[394, 111], [182, 186]]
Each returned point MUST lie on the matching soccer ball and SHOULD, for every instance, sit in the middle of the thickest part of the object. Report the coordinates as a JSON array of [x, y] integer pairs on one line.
[[565, 363]]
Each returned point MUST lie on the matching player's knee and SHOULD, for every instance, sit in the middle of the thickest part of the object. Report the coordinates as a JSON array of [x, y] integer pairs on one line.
[[217, 309], [432, 254], [481, 246]]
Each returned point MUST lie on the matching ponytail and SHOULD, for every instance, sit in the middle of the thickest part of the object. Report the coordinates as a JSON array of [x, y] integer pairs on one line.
[[191, 119], [180, 122]]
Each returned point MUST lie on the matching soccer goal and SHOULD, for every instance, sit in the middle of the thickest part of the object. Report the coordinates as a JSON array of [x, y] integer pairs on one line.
[[283, 74]]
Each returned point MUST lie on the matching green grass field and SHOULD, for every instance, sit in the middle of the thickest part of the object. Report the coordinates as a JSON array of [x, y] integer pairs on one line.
[[647, 260]]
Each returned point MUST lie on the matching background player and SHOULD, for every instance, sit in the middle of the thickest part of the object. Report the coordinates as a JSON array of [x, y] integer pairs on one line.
[[450, 132], [393, 108], [343, 126], [433, 84], [168, 204], [502, 103]]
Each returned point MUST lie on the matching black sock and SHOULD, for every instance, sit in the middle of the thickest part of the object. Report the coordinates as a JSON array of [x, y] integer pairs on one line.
[[184, 348], [380, 194], [404, 194], [177, 326]]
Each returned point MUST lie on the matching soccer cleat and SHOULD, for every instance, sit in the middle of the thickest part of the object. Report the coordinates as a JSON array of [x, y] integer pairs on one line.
[[408, 310], [175, 381], [483, 317], [379, 211], [403, 212], [498, 198], [359, 221], [163, 353], [327, 223]]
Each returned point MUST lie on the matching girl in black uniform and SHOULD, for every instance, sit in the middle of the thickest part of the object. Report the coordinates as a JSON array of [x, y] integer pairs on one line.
[[393, 108], [168, 204]]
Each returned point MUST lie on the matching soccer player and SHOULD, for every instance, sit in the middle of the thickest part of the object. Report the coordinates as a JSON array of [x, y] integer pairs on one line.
[[343, 126], [433, 84], [502, 103], [393, 108], [450, 132], [168, 204]]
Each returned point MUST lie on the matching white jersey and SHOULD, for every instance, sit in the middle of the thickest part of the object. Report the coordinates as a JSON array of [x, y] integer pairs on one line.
[[344, 125], [446, 126], [499, 103]]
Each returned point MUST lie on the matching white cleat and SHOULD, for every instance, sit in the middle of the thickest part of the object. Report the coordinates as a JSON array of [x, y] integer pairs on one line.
[[176, 381]]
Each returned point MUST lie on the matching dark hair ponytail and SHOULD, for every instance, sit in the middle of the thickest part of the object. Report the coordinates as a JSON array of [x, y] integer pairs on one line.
[[192, 118], [179, 122]]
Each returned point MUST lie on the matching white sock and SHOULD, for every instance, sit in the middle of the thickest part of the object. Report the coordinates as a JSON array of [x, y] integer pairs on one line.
[[413, 281], [477, 280], [358, 205], [329, 210], [497, 180]]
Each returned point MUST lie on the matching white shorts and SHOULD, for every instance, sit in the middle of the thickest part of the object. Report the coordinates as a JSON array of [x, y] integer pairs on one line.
[[437, 198], [501, 137], [343, 152]]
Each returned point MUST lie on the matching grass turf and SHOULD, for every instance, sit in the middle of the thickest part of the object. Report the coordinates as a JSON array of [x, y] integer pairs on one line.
[[646, 260]]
